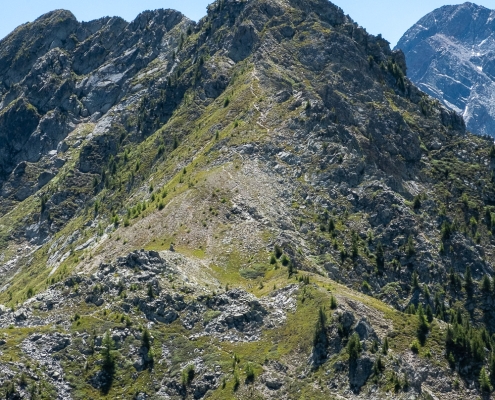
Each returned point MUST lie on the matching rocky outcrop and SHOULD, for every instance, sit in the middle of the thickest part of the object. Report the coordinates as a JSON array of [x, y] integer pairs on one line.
[[450, 56], [43, 349], [57, 73]]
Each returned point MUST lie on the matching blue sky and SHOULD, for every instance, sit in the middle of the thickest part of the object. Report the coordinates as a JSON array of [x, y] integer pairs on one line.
[[391, 18]]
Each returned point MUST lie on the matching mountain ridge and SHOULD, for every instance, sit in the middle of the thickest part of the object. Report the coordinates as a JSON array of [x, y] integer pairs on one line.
[[259, 204]]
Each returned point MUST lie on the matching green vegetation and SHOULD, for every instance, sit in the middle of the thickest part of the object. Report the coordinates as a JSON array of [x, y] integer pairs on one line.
[[354, 347], [180, 177], [188, 375]]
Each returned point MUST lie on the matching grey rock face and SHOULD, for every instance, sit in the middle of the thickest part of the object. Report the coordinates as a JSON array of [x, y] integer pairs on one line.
[[57, 73], [451, 56], [359, 372]]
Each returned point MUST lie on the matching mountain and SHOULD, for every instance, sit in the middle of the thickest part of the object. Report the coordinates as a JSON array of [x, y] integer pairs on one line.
[[451, 56], [257, 205]]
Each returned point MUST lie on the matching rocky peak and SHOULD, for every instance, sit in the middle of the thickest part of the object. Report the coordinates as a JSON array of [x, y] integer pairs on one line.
[[450, 53], [41, 63], [56, 16], [156, 19]]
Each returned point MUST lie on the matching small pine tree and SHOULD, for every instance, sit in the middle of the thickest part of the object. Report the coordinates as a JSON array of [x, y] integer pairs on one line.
[[151, 358], [146, 339], [410, 249], [452, 278], [429, 313], [290, 270], [492, 367], [396, 382], [11, 390], [333, 303], [23, 380], [380, 365], [484, 381], [374, 346], [468, 281], [188, 375], [320, 335], [249, 373], [150, 291], [423, 323], [486, 285], [380, 257], [236, 381], [426, 292], [417, 202], [415, 281], [385, 346], [107, 345], [355, 245], [411, 310], [285, 261], [415, 346], [439, 307], [354, 347]]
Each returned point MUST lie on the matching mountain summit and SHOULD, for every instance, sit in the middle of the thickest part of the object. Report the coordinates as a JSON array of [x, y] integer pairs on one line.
[[451, 56], [257, 205]]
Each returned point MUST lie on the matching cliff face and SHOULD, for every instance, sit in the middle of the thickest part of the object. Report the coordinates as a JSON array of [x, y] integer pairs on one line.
[[57, 74], [451, 56], [252, 205]]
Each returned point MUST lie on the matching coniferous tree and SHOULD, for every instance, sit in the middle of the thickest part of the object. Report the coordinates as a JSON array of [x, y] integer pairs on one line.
[[423, 324], [320, 336], [107, 345], [486, 285], [439, 307], [484, 381], [410, 249], [426, 292], [151, 294], [429, 313], [415, 281], [354, 347], [333, 303], [452, 278], [385, 346], [290, 269], [380, 257], [492, 367], [468, 281], [146, 338], [320, 340]]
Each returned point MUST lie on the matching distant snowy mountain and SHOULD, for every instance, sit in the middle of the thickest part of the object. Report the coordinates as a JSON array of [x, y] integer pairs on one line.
[[451, 55]]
